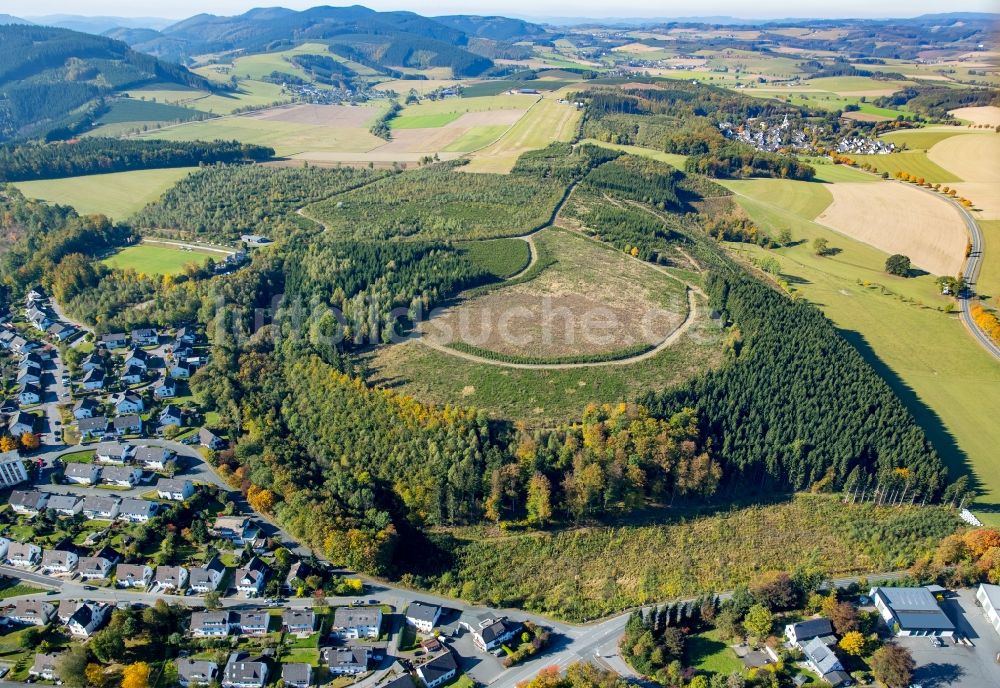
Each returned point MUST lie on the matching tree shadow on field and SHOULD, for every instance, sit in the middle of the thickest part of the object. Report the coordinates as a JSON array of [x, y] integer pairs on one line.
[[954, 458]]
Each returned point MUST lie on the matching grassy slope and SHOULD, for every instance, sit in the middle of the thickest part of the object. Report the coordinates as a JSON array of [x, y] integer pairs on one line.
[[583, 573], [476, 137], [157, 260], [950, 384], [545, 122], [117, 195], [989, 276], [672, 159], [915, 162]]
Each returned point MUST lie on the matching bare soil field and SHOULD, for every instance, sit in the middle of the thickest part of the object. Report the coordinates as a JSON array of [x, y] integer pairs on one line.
[[973, 157], [896, 218], [592, 300], [987, 114], [321, 115]]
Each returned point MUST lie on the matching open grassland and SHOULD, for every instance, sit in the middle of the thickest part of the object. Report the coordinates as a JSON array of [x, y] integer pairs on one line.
[[546, 121], [262, 64], [477, 137], [804, 199], [542, 397], [585, 573], [117, 195], [249, 93], [500, 257], [425, 121], [672, 159], [913, 162], [949, 383], [922, 139], [989, 275], [857, 85], [590, 300], [155, 259], [830, 173], [291, 130]]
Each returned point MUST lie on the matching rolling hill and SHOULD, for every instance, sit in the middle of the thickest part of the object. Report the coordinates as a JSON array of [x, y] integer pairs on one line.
[[56, 79]]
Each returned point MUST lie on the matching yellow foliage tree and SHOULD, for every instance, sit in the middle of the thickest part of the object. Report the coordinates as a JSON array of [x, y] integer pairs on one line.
[[853, 643], [95, 675], [136, 675], [261, 499], [29, 440], [7, 443]]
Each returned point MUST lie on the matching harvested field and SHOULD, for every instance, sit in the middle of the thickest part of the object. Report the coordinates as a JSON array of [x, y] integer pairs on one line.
[[896, 218], [986, 114], [546, 121], [973, 157], [636, 48], [321, 115], [985, 196], [592, 300]]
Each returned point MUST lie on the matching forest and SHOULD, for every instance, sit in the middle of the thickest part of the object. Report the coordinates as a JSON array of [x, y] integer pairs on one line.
[[94, 155], [222, 202]]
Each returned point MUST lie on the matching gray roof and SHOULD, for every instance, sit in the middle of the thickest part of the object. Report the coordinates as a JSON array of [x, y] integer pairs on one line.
[[92, 424], [915, 609], [116, 473], [79, 470], [137, 507], [255, 618], [55, 557], [352, 617], [98, 503], [298, 617], [130, 572], [813, 628], [346, 656], [992, 593], [60, 502], [822, 656], [296, 672], [128, 421], [440, 666], [196, 670], [242, 668], [27, 498], [422, 611], [496, 629], [111, 448], [210, 619], [404, 681], [168, 574], [93, 564], [151, 454], [172, 484]]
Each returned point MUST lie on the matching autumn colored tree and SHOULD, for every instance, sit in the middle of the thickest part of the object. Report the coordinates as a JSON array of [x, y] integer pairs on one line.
[[853, 643], [539, 502], [29, 441], [980, 540], [758, 621], [261, 499], [136, 675], [95, 675], [7, 443], [844, 617], [775, 590], [893, 666]]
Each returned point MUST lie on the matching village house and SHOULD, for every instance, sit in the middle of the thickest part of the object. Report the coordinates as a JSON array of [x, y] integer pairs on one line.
[[153, 458], [113, 452], [165, 389], [136, 510], [237, 529], [351, 623], [802, 632], [169, 578], [59, 561], [121, 476], [346, 660], [243, 671], [145, 337], [423, 616], [254, 622], [171, 415], [98, 508], [911, 611], [32, 613], [184, 335], [439, 670], [23, 555], [130, 424], [212, 624], [94, 567], [300, 622], [27, 501], [205, 579], [196, 671], [92, 362], [174, 489], [297, 573], [115, 340], [127, 402], [94, 380], [491, 633], [88, 618], [85, 408], [133, 576], [44, 666], [180, 371], [296, 675], [822, 660], [20, 423], [65, 505], [137, 358], [82, 473], [29, 394], [92, 428], [60, 331], [29, 374], [249, 580], [207, 438], [132, 375]]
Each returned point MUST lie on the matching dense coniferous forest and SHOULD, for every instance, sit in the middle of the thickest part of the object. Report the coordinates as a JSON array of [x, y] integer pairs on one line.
[[21, 162]]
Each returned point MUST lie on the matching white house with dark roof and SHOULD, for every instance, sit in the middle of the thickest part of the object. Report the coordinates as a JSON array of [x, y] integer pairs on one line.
[[492, 632], [911, 611], [113, 452], [129, 424], [207, 438], [299, 622], [132, 375], [29, 394], [165, 389], [213, 624], [92, 362], [244, 671], [350, 623], [23, 555], [65, 505], [254, 622], [171, 415], [94, 567], [201, 672], [32, 612], [439, 670], [121, 476], [27, 501], [237, 529], [44, 666], [20, 423], [205, 579], [346, 660], [152, 458], [99, 508], [137, 358], [133, 576], [296, 675], [93, 427], [88, 618], [145, 336], [174, 489], [170, 577], [249, 582], [59, 561], [94, 380], [423, 616], [822, 659], [128, 402], [85, 408], [115, 340], [136, 510], [82, 473], [804, 631]]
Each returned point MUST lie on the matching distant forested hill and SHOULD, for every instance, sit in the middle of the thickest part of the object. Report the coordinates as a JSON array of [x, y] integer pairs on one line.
[[56, 78]]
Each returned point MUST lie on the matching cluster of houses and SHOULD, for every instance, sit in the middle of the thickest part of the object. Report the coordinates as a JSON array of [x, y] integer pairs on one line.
[[82, 619], [31, 361], [770, 137], [862, 145], [37, 308]]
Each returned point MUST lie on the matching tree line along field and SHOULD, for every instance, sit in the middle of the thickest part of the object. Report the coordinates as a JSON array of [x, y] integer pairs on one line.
[[585, 573]]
